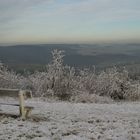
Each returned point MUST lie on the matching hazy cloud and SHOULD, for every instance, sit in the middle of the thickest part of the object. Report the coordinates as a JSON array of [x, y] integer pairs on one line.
[[99, 9], [71, 18], [12, 9]]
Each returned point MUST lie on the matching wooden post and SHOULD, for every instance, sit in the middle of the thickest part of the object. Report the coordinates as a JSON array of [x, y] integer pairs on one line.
[[21, 103]]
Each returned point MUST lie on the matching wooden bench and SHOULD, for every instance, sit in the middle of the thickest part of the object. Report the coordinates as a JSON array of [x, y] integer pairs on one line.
[[25, 111]]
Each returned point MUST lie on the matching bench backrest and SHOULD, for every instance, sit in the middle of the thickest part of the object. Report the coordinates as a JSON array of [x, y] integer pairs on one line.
[[15, 93]]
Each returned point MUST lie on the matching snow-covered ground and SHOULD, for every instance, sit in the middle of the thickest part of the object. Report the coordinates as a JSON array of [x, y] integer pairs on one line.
[[70, 121]]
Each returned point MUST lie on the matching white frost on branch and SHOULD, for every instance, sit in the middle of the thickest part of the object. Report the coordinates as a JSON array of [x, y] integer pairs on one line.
[[66, 83]]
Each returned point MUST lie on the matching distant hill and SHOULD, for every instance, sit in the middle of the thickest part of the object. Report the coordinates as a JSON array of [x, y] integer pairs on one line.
[[26, 56]]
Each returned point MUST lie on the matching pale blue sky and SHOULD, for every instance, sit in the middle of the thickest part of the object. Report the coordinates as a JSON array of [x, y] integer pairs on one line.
[[69, 21]]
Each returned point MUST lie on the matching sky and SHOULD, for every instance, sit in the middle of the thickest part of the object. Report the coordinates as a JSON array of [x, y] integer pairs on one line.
[[69, 21]]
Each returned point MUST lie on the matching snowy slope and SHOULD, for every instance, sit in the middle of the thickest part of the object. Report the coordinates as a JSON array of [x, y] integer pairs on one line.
[[69, 121]]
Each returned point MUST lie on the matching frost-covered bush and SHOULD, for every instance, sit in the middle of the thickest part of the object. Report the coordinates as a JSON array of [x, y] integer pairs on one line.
[[66, 83], [116, 85], [87, 80], [38, 83], [133, 92], [9, 79], [62, 77], [57, 80], [111, 83]]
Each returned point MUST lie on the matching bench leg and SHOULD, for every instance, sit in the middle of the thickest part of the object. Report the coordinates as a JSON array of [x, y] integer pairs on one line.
[[27, 113], [21, 103]]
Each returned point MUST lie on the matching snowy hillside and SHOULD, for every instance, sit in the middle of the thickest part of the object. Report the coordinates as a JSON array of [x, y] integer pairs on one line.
[[71, 121]]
